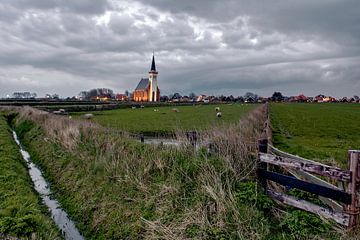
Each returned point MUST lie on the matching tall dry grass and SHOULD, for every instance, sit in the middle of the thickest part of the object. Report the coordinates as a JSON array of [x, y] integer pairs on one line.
[[236, 144], [60, 129]]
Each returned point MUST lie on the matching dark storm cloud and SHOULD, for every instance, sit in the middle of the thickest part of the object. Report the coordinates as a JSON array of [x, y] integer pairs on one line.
[[215, 47]]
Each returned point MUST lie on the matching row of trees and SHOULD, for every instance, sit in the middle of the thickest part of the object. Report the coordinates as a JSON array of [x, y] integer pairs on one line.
[[29, 95], [24, 95], [97, 92]]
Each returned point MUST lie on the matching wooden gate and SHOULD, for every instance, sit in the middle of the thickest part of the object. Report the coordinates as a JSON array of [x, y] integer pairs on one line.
[[342, 199]]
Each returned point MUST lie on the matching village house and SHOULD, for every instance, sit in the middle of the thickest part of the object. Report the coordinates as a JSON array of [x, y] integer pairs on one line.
[[319, 98], [147, 90], [121, 97], [201, 98], [329, 99], [299, 98], [344, 100]]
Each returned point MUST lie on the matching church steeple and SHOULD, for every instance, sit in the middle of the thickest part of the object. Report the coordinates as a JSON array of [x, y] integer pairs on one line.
[[154, 94], [153, 67]]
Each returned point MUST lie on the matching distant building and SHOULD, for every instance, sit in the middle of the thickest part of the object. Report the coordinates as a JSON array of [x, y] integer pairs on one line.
[[121, 97], [319, 98], [201, 98], [299, 98], [329, 99], [147, 90], [101, 98], [345, 100]]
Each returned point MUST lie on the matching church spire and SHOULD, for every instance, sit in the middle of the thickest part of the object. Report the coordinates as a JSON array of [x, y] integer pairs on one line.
[[153, 67]]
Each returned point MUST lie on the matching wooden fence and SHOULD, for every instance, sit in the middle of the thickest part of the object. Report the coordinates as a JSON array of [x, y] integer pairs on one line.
[[338, 189], [342, 199]]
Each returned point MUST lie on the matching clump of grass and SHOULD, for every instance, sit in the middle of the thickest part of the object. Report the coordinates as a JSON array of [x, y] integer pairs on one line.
[[236, 144]]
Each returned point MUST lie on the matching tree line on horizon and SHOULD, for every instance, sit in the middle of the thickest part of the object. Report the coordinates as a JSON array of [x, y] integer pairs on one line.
[[107, 94]]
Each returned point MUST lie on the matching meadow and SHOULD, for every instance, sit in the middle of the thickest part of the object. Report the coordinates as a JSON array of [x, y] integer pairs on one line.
[[323, 132], [162, 120], [116, 188], [21, 213]]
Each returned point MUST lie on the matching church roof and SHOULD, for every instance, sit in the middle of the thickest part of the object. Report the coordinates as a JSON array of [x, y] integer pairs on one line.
[[143, 84], [153, 67]]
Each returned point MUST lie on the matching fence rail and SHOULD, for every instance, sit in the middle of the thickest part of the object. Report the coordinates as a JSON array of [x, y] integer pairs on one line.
[[307, 166], [293, 182], [338, 217]]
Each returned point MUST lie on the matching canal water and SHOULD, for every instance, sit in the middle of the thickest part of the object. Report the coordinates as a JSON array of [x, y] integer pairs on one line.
[[59, 216], [164, 141], [170, 142]]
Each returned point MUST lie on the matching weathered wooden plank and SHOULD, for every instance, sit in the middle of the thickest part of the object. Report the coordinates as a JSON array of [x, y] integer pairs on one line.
[[312, 167], [339, 217], [278, 152], [306, 186], [313, 179], [353, 208]]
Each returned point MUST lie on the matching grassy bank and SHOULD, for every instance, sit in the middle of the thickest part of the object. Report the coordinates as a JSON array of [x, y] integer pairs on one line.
[[115, 188], [21, 214], [324, 132], [159, 120]]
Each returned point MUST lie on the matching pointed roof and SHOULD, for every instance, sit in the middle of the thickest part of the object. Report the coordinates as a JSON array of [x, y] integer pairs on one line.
[[153, 67], [143, 84]]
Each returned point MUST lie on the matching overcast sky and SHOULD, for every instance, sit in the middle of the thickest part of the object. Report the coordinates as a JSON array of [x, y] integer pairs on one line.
[[201, 46]]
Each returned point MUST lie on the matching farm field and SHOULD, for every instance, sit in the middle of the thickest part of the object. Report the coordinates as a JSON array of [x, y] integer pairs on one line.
[[323, 132], [21, 215], [157, 120]]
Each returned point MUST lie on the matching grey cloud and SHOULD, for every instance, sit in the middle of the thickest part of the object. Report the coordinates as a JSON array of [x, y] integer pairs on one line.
[[228, 46], [332, 19]]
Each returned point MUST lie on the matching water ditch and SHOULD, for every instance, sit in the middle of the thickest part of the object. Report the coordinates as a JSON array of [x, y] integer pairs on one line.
[[162, 141], [59, 216], [172, 142]]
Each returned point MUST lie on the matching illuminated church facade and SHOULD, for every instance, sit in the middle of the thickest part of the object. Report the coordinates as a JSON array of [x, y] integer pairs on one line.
[[147, 90]]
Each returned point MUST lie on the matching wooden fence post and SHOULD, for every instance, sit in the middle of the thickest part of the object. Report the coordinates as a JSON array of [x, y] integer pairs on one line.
[[353, 208], [263, 148], [142, 139], [192, 138]]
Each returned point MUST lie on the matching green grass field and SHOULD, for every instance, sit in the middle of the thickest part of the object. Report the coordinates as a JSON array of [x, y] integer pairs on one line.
[[324, 132], [21, 213], [166, 120]]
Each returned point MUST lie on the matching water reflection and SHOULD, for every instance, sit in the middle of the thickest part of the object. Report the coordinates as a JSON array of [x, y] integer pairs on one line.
[[59, 216]]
